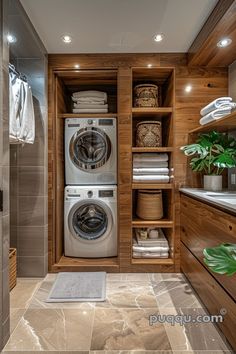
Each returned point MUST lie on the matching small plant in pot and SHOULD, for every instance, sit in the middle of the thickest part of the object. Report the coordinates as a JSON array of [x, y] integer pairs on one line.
[[212, 153]]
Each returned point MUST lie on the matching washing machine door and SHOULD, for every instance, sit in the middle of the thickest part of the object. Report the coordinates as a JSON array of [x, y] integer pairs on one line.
[[90, 220], [90, 148]]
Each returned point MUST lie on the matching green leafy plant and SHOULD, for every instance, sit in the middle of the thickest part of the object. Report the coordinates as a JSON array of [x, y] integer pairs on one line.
[[221, 259], [212, 153]]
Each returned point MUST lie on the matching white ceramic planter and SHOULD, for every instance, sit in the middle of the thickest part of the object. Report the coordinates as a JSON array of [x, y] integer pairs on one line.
[[213, 183]]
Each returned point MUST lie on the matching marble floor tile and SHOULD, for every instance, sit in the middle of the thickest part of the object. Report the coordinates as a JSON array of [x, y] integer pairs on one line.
[[167, 276], [21, 295], [47, 352], [15, 316], [202, 336], [133, 352], [129, 295], [175, 294], [53, 329], [127, 277], [127, 329], [39, 299]]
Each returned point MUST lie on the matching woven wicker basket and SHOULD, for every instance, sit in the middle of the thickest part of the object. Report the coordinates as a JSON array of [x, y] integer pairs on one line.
[[149, 134], [146, 95], [12, 268], [149, 204]]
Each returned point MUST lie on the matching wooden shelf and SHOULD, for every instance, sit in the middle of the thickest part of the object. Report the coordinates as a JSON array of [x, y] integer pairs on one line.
[[158, 223], [152, 149], [88, 115], [83, 264], [152, 261], [225, 124], [161, 111], [152, 185]]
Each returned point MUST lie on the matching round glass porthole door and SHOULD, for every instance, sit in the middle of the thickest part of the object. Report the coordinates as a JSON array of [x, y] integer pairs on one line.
[[90, 221], [90, 148]]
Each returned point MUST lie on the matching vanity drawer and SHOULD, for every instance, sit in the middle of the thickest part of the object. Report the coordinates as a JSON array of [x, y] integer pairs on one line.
[[210, 292], [205, 226]]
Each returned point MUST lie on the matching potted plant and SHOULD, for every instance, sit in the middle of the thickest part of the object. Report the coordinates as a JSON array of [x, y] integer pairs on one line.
[[221, 259], [212, 153]]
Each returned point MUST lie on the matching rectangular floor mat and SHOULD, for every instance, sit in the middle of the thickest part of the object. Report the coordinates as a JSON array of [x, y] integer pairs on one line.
[[78, 286]]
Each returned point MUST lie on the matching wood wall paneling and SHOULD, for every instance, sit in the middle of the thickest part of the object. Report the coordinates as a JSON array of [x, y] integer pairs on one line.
[[220, 24]]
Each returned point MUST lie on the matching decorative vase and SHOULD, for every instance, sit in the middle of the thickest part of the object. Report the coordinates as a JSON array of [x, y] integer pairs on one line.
[[213, 183]]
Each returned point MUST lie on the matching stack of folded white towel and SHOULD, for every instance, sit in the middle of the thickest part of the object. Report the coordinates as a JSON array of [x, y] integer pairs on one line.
[[90, 102], [157, 247], [151, 167], [217, 109]]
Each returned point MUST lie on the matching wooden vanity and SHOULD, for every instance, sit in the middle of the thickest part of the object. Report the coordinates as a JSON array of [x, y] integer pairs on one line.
[[204, 226]]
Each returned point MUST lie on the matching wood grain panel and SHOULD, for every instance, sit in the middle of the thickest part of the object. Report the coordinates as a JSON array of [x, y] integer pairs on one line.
[[221, 23], [210, 292]]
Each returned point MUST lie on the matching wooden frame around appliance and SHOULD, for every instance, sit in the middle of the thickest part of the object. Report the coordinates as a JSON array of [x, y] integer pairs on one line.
[[123, 64]]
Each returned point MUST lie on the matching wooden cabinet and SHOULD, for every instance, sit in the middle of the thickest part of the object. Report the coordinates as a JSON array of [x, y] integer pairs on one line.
[[205, 226]]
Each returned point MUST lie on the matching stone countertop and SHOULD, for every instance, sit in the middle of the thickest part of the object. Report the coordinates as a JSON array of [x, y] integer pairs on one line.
[[224, 199]]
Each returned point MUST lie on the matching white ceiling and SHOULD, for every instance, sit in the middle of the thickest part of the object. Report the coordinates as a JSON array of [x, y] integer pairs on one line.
[[111, 26]]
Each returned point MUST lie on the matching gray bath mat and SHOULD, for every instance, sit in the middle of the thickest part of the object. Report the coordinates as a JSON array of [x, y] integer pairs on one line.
[[78, 286]]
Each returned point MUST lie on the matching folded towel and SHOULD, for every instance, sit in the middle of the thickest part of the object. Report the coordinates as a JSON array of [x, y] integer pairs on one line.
[[216, 114], [89, 100], [151, 178], [150, 171], [215, 104], [90, 93], [150, 164], [151, 255], [152, 157], [152, 249], [90, 110], [88, 106]]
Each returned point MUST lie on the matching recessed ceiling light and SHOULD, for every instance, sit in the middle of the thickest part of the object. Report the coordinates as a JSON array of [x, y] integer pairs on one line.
[[77, 66], [158, 37], [224, 42], [188, 88], [11, 38], [67, 39], [149, 65]]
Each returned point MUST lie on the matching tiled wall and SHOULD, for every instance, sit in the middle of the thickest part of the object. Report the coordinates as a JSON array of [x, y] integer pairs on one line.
[[4, 177], [29, 162], [232, 93]]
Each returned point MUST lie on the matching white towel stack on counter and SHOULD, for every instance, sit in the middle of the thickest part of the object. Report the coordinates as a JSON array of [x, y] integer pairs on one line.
[[151, 167], [90, 102], [157, 247], [217, 109]]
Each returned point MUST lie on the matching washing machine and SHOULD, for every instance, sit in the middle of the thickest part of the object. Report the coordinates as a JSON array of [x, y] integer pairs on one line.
[[90, 151], [90, 221]]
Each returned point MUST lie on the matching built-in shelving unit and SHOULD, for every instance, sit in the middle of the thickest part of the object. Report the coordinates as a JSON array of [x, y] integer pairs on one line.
[[164, 79], [225, 124], [87, 115]]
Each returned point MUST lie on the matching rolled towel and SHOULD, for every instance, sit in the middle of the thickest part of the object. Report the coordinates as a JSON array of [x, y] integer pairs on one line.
[[150, 171], [90, 110], [151, 157], [88, 100], [216, 114], [150, 164], [151, 178], [91, 93], [93, 106], [215, 104]]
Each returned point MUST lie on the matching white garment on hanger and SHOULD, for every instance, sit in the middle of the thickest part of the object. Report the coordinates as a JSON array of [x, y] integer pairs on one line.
[[27, 128], [16, 101]]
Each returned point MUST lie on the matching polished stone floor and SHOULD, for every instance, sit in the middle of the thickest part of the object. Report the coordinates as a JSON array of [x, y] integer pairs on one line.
[[121, 324]]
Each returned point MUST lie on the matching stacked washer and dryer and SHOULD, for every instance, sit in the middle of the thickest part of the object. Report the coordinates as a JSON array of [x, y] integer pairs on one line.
[[90, 208]]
